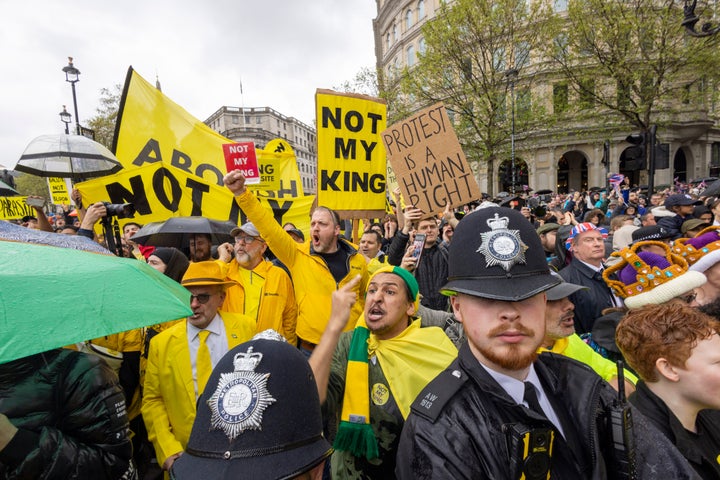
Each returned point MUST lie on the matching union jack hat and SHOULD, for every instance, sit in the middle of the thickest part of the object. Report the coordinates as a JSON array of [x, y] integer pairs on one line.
[[580, 228]]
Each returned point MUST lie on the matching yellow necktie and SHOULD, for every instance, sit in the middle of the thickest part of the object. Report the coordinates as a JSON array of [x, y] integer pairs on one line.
[[203, 363]]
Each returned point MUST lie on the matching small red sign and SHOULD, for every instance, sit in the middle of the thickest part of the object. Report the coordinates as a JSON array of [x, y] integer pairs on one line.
[[241, 156]]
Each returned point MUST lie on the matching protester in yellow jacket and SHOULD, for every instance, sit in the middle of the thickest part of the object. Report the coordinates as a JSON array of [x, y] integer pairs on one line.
[[173, 380], [318, 267], [263, 291]]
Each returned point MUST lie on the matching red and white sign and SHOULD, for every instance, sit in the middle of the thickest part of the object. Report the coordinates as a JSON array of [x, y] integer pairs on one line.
[[241, 156]]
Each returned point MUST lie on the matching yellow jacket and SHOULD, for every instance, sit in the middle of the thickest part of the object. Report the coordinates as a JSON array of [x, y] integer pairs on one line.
[[168, 404], [277, 309], [311, 276]]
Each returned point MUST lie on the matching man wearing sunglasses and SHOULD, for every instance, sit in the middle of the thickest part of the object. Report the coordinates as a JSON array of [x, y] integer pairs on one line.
[[262, 290], [181, 358]]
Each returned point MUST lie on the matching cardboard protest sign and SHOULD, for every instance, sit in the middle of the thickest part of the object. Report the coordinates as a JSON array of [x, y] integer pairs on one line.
[[428, 161], [351, 160]]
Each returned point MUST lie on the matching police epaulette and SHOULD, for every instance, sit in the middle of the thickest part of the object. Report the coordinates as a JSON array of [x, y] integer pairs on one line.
[[431, 401]]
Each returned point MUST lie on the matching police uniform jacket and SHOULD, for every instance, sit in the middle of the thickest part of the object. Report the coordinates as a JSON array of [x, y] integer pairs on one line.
[[455, 428], [168, 404], [277, 309], [312, 279], [705, 459], [70, 414]]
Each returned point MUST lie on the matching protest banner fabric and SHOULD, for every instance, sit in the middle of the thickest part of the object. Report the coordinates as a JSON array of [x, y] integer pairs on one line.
[[174, 163], [428, 161], [14, 208], [351, 158]]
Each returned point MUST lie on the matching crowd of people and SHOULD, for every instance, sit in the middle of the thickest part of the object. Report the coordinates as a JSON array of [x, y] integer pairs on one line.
[[482, 342]]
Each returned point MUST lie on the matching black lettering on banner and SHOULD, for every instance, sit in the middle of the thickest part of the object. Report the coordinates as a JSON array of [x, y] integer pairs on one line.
[[170, 202], [353, 120], [136, 195], [149, 154], [279, 210], [352, 181], [206, 167], [197, 189], [181, 160], [14, 208]]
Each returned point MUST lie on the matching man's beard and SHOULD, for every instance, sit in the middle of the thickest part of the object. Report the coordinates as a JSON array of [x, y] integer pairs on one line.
[[511, 357]]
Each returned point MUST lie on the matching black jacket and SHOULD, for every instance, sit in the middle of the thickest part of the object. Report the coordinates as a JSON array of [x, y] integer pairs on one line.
[[70, 414], [455, 428], [708, 425], [589, 303]]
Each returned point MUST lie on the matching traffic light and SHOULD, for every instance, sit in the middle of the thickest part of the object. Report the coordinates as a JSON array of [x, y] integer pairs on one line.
[[635, 156]]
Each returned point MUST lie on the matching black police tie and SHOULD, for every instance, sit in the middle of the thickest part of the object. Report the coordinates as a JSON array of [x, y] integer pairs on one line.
[[530, 397]]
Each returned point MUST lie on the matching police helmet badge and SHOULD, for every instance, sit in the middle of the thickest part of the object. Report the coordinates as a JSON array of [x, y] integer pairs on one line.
[[241, 397], [500, 245]]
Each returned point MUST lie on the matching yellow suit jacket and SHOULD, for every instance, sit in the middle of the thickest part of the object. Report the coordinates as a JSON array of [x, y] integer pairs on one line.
[[168, 404]]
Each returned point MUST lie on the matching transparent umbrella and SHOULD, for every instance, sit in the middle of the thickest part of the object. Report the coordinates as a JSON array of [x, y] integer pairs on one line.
[[67, 156]]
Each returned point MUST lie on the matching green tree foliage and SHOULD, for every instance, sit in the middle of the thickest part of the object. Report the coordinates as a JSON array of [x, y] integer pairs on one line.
[[103, 122], [32, 185], [470, 46], [632, 60], [365, 83]]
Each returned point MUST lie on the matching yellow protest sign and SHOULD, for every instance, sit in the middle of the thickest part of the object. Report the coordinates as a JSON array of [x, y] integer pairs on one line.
[[351, 157], [429, 163], [174, 164], [58, 191], [14, 208]]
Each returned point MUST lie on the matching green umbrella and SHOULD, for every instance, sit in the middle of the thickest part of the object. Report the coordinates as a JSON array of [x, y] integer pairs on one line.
[[53, 296]]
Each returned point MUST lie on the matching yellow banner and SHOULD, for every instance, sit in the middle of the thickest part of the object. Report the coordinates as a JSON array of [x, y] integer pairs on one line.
[[58, 191], [174, 164], [351, 155], [14, 208]]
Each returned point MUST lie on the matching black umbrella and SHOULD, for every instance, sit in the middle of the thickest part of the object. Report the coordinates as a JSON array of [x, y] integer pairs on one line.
[[177, 231], [67, 156], [712, 190], [545, 191]]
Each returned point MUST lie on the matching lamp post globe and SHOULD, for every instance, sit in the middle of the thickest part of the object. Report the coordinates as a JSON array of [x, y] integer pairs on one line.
[[72, 76], [66, 118]]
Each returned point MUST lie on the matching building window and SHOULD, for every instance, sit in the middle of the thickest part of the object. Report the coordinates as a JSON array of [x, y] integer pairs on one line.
[[258, 120], [421, 9], [560, 97], [235, 120], [623, 94], [408, 19], [395, 33], [421, 46], [387, 41], [587, 93], [410, 56], [499, 60], [522, 54], [561, 5]]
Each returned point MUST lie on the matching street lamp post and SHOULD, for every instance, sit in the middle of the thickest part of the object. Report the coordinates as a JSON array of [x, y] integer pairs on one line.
[[72, 75], [512, 75], [690, 20], [66, 118]]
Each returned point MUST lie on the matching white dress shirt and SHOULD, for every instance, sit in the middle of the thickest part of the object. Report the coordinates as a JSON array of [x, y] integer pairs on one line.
[[216, 341]]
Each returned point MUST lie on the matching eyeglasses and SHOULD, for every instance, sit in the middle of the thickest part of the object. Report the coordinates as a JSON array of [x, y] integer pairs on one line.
[[689, 298], [202, 298], [245, 239]]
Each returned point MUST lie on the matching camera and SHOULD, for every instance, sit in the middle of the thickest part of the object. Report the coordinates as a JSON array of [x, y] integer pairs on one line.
[[120, 210], [530, 451]]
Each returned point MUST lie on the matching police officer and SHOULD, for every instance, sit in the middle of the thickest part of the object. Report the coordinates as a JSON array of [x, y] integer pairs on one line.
[[499, 410]]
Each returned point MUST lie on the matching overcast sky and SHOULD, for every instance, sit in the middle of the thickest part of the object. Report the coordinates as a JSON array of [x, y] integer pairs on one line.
[[282, 49]]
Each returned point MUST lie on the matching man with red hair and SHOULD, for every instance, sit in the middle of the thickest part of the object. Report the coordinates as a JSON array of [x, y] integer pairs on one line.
[[675, 349]]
